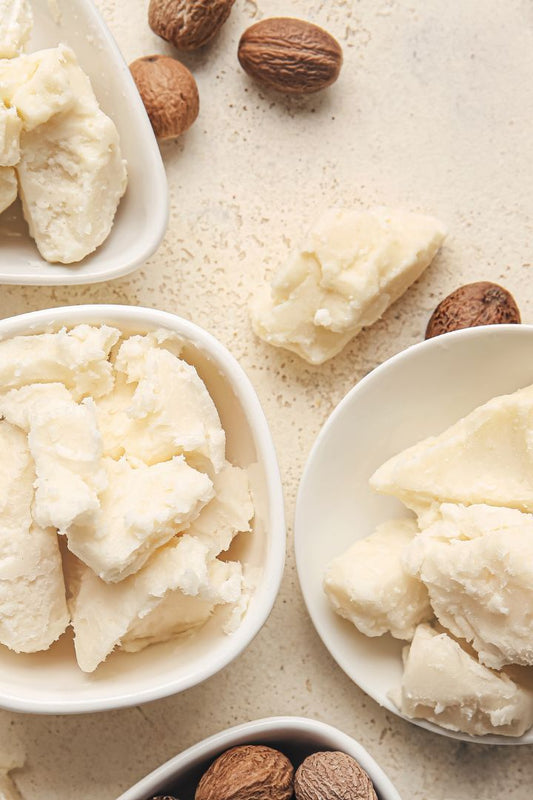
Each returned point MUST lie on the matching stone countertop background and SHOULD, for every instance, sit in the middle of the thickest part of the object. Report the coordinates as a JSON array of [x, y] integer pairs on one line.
[[433, 111]]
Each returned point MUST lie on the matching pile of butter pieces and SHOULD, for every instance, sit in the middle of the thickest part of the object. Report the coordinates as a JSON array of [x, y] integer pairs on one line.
[[117, 503], [58, 149], [457, 582], [350, 268]]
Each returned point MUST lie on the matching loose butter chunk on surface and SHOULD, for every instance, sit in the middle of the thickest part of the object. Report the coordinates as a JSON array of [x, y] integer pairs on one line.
[[77, 357], [446, 685], [33, 610], [71, 171], [369, 586], [66, 448], [160, 408], [16, 22], [351, 267], [485, 457], [141, 509], [477, 563]]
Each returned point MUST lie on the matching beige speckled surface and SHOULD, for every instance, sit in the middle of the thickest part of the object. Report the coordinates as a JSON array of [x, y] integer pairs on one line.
[[434, 111]]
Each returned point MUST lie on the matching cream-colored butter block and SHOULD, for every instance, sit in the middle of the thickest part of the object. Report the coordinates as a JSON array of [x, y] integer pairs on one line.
[[477, 563], [78, 358], [160, 409], [446, 685], [351, 267], [486, 457], [71, 172], [8, 187], [141, 509], [66, 448], [16, 22], [33, 610], [10, 129], [369, 586]]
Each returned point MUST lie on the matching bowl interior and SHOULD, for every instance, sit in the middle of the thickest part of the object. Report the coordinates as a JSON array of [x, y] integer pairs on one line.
[[51, 682], [297, 737], [413, 395], [141, 218]]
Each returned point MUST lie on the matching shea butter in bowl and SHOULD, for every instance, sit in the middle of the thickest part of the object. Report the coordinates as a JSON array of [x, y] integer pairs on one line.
[[481, 468], [143, 495], [81, 109], [297, 738]]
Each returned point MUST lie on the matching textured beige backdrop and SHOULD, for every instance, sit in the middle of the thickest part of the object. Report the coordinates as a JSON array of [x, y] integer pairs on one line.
[[433, 111]]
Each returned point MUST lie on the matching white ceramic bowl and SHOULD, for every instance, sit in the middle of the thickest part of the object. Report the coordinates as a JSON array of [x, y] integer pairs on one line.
[[297, 737], [142, 215], [51, 682], [419, 392]]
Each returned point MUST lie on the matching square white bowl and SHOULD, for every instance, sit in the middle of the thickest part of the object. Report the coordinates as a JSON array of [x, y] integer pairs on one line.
[[415, 394], [297, 737], [51, 682], [142, 215]]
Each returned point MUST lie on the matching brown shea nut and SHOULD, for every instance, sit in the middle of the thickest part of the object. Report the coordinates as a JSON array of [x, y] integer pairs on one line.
[[332, 776], [169, 93], [248, 772], [481, 303], [290, 55], [188, 24]]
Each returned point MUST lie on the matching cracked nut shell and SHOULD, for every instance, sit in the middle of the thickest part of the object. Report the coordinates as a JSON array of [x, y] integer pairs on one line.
[[248, 772], [290, 55], [332, 775], [188, 24], [169, 93], [480, 303]]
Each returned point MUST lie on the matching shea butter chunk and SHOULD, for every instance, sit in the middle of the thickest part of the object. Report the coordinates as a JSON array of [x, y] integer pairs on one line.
[[369, 586], [16, 21], [349, 270], [10, 128], [477, 563], [33, 610], [141, 509], [486, 457], [8, 187], [446, 685]]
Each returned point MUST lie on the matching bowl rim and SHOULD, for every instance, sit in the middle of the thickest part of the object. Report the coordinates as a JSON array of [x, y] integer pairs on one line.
[[437, 342], [143, 317], [212, 746]]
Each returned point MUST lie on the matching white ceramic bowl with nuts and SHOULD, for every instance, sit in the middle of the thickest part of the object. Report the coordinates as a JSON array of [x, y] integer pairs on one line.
[[142, 216], [415, 394], [50, 681], [296, 737]]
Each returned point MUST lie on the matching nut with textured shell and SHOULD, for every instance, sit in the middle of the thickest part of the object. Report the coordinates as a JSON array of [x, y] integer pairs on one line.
[[188, 24], [332, 775], [480, 303], [290, 55], [169, 93], [248, 772]]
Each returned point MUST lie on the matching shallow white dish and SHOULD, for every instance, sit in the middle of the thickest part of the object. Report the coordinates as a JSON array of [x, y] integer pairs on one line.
[[51, 682], [419, 392], [142, 216], [297, 737]]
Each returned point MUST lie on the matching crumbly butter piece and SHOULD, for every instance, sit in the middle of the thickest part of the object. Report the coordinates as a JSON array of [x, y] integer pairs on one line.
[[10, 129], [349, 270], [486, 457], [8, 187], [446, 685], [141, 509], [33, 610], [66, 448], [369, 586], [71, 172], [160, 409], [77, 357], [16, 22], [477, 563], [178, 581]]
